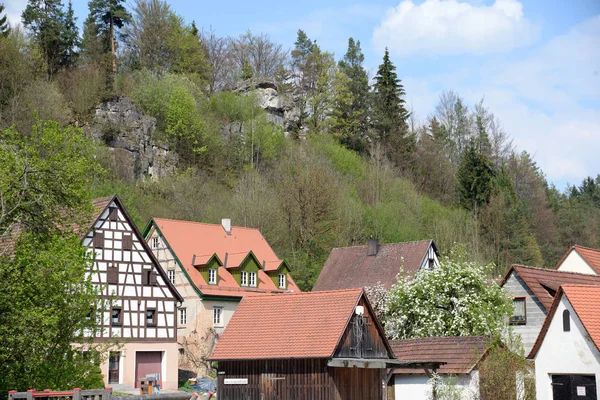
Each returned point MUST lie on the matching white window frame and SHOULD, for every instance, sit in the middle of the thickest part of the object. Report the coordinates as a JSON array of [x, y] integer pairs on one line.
[[155, 242], [218, 316], [281, 281], [252, 282], [212, 276], [244, 278], [183, 316], [171, 275]]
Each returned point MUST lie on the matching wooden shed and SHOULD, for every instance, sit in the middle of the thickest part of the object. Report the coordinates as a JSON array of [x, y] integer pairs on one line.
[[319, 345]]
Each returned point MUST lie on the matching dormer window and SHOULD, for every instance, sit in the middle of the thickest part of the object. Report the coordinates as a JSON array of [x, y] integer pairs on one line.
[[244, 278], [212, 276], [253, 279], [281, 281]]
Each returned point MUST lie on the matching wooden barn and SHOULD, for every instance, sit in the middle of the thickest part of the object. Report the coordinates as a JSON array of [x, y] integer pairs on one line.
[[318, 345]]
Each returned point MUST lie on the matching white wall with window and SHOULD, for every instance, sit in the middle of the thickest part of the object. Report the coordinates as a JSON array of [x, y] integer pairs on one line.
[[182, 316], [217, 317]]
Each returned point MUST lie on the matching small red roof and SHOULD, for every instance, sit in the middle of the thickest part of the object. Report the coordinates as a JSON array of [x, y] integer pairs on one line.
[[290, 325], [352, 267], [585, 300], [460, 353], [544, 283], [591, 256]]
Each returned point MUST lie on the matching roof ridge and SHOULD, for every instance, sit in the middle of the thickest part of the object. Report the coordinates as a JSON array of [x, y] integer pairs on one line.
[[585, 247], [383, 244], [327, 291], [203, 223], [555, 271], [443, 337]]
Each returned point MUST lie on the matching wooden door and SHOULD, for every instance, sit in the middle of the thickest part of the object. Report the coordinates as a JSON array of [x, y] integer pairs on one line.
[[147, 362], [574, 387], [113, 367], [271, 386]]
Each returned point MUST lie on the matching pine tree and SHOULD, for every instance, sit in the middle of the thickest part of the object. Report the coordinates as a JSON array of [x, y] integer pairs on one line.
[[4, 27], [475, 178], [390, 114], [109, 15], [70, 38], [246, 70], [45, 20], [353, 107]]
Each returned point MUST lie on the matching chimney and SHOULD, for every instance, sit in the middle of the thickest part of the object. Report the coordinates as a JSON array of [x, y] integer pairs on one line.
[[373, 247], [226, 224], [225, 261]]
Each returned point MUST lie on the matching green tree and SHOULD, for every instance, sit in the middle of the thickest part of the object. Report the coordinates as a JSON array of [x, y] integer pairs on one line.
[[48, 301], [475, 179], [70, 38], [454, 299], [109, 16], [4, 26], [246, 70], [390, 114]]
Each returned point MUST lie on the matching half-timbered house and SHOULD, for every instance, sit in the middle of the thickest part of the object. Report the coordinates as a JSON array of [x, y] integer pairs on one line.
[[213, 266], [317, 345], [142, 312]]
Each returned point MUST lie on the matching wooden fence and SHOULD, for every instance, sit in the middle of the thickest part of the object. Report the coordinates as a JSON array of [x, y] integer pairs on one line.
[[75, 394]]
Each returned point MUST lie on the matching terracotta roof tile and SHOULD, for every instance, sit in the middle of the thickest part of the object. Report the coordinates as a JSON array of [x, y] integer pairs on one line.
[[291, 325], [461, 353], [537, 278], [351, 267]]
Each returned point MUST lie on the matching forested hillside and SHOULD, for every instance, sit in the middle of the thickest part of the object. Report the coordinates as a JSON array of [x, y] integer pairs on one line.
[[355, 164]]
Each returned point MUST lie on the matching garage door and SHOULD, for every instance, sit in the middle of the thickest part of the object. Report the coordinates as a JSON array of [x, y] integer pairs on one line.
[[147, 362], [574, 387]]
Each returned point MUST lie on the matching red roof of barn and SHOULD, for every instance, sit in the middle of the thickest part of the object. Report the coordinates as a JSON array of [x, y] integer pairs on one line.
[[351, 267], [460, 353], [591, 256], [585, 300], [291, 325], [188, 239], [544, 283]]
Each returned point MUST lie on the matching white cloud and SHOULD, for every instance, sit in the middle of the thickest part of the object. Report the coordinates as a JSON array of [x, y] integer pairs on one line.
[[14, 9], [437, 27]]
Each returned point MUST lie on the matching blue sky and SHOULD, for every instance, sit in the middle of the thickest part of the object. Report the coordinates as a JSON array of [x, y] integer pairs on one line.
[[536, 62]]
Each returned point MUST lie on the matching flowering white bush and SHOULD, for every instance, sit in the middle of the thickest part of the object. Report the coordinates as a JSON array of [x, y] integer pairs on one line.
[[378, 295], [454, 299]]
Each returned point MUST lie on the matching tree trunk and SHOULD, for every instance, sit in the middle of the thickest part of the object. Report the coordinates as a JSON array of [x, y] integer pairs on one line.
[[112, 46]]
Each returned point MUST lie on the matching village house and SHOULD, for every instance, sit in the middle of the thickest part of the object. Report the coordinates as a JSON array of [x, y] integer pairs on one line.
[[317, 345], [461, 355], [375, 263], [580, 259], [533, 290], [142, 302], [213, 266], [567, 350]]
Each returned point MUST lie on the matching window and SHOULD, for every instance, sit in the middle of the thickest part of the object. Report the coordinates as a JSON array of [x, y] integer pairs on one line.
[[116, 317], [282, 281], [253, 279], [113, 214], [244, 278], [155, 242], [127, 242], [182, 316], [112, 274], [98, 240], [217, 316], [212, 276], [171, 275], [566, 321], [519, 315], [148, 277], [151, 317]]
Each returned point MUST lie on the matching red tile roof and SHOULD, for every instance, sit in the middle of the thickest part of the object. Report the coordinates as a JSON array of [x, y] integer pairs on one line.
[[539, 280], [585, 300], [188, 239], [591, 256], [460, 353], [291, 325], [351, 267]]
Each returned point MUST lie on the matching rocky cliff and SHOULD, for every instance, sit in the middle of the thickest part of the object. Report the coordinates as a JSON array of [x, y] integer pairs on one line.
[[128, 133]]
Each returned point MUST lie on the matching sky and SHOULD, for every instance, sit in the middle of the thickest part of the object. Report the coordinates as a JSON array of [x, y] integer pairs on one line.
[[536, 63]]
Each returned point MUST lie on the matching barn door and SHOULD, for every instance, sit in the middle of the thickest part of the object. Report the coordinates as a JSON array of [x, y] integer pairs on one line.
[[574, 387], [271, 387]]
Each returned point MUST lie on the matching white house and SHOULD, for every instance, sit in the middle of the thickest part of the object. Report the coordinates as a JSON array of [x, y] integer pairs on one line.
[[580, 259], [460, 356], [566, 353]]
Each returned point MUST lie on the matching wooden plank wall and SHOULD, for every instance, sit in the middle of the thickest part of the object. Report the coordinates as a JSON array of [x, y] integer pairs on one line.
[[298, 379]]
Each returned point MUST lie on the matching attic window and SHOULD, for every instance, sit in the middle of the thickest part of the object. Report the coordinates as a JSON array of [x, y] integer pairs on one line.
[[281, 281], [149, 277], [113, 214], [98, 240], [212, 276], [155, 242], [244, 278], [112, 274], [127, 242], [566, 321], [253, 279], [519, 316]]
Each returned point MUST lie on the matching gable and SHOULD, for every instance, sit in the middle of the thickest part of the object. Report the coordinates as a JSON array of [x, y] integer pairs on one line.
[[575, 262]]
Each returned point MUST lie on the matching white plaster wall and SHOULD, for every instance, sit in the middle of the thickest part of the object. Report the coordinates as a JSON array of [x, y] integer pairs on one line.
[[575, 263], [565, 353], [417, 387]]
